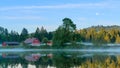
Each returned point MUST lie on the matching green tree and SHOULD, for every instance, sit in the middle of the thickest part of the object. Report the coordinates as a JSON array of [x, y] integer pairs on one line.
[[6, 32], [24, 31], [65, 32], [77, 36], [58, 38], [24, 34], [43, 33], [13, 36], [6, 35], [45, 40], [50, 35], [68, 25], [37, 33], [83, 34]]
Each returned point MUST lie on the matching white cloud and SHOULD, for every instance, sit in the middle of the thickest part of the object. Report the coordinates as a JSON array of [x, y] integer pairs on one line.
[[62, 6], [28, 11], [22, 17], [97, 14], [102, 4]]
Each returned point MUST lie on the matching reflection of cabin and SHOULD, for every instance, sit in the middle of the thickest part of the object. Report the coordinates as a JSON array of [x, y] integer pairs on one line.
[[32, 41], [12, 56], [10, 43], [32, 57], [36, 57]]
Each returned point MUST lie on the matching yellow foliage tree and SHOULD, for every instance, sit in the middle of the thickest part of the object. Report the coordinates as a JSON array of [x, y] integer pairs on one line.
[[117, 39]]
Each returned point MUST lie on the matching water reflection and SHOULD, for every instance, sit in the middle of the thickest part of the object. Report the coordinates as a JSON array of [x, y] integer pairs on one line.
[[25, 60], [59, 60]]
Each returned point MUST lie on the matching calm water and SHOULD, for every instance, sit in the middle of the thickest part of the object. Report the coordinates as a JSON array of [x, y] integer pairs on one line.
[[60, 59]]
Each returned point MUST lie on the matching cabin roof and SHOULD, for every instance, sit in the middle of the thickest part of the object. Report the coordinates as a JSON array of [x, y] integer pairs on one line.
[[30, 40], [11, 42]]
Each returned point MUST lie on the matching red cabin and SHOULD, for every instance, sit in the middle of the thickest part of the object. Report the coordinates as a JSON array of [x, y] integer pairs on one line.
[[32, 41], [10, 43], [36, 41]]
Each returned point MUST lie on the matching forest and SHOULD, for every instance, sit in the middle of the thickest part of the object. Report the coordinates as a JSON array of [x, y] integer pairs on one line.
[[66, 32], [100, 34], [41, 34]]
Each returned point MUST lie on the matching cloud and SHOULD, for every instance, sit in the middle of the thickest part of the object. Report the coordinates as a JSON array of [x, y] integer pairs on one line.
[[102, 4], [22, 17], [97, 14], [61, 6]]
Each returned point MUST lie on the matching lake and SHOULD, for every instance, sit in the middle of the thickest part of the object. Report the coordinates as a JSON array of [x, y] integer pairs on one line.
[[59, 59]]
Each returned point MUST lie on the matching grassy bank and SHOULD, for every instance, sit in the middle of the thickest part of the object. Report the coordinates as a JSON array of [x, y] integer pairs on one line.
[[80, 46]]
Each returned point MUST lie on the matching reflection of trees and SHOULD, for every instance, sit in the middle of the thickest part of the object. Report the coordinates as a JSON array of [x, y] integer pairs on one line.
[[5, 62], [64, 60], [42, 63], [14, 62], [61, 60], [102, 62]]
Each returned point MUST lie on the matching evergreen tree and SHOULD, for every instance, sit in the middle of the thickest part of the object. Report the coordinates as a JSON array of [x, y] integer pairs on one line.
[[13, 36], [43, 33], [65, 33], [50, 35], [24, 34], [37, 33], [45, 40]]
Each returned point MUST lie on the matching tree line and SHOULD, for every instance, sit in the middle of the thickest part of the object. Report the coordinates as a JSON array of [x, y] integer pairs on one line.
[[41, 34], [101, 35], [66, 33]]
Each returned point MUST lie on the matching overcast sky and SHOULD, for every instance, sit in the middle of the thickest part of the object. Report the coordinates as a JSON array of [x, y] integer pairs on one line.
[[16, 14]]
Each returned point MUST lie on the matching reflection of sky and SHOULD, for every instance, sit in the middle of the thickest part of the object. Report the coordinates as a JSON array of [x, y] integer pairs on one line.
[[29, 66], [0, 45]]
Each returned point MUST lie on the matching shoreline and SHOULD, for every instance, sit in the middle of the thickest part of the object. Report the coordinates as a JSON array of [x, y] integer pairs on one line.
[[60, 50]]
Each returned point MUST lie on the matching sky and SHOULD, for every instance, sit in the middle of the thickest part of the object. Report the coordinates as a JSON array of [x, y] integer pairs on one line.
[[17, 14]]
